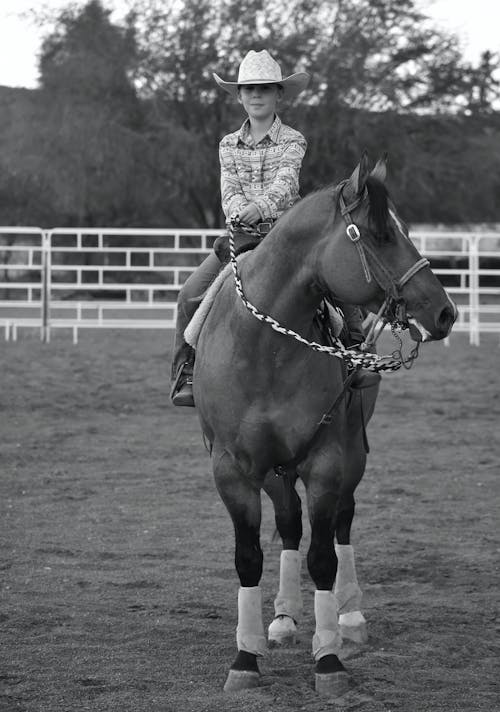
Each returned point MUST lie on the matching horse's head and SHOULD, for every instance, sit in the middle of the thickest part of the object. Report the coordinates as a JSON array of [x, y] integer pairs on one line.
[[377, 265]]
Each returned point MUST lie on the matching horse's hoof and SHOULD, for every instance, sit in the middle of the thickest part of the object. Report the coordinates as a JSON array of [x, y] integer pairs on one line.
[[331, 677], [331, 684], [353, 627], [282, 632], [241, 680]]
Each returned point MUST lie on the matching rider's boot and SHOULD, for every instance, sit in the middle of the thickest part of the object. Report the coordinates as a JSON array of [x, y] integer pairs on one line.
[[182, 376], [363, 378]]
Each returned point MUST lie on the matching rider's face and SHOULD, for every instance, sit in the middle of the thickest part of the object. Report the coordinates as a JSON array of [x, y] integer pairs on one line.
[[260, 100]]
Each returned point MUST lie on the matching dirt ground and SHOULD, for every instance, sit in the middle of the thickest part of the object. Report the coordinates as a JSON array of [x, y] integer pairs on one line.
[[118, 592]]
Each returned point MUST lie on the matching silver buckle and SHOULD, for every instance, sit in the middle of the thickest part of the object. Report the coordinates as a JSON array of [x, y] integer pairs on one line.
[[352, 228], [264, 227]]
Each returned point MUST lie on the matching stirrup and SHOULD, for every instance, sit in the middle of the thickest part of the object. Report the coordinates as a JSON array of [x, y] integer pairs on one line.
[[184, 396], [181, 392]]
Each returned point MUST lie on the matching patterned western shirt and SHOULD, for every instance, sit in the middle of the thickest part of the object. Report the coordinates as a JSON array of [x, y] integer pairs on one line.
[[265, 173]]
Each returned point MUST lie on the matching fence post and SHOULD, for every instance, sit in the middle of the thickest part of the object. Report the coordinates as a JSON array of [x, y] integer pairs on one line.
[[46, 285], [474, 326]]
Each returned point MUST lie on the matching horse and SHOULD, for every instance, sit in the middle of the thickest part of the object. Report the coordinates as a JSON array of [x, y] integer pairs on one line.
[[270, 405]]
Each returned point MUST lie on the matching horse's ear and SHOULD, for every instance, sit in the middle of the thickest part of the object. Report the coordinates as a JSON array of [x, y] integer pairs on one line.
[[359, 176], [380, 170]]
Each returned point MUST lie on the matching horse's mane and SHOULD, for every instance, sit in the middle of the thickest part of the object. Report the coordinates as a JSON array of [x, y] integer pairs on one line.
[[378, 211]]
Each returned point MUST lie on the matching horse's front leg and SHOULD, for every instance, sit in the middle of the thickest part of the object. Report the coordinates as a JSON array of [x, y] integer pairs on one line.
[[288, 517], [242, 499], [347, 590], [323, 487]]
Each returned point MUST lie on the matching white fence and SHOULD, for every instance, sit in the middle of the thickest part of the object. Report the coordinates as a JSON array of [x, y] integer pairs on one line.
[[130, 278]]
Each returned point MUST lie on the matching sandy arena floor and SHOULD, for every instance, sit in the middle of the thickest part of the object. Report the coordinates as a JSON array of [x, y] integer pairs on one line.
[[118, 592]]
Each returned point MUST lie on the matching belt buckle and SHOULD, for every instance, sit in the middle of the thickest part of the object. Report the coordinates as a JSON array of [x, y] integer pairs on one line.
[[264, 227]]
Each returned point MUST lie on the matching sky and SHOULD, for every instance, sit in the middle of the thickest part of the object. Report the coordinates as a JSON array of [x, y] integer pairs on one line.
[[476, 22]]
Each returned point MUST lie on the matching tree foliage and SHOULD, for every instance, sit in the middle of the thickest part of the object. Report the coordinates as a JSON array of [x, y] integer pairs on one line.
[[125, 127], [370, 54]]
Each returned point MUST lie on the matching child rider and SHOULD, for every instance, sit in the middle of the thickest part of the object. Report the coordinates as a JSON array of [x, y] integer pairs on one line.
[[260, 165]]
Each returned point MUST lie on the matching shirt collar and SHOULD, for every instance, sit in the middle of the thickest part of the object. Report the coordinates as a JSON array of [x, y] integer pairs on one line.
[[245, 136]]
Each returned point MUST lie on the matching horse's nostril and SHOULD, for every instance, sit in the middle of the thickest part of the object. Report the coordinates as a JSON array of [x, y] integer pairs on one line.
[[446, 318]]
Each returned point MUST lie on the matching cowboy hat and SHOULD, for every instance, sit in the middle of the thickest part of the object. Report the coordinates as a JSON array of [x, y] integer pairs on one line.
[[261, 68]]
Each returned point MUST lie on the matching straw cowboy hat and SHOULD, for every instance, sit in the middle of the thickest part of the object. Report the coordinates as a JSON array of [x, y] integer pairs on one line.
[[261, 68]]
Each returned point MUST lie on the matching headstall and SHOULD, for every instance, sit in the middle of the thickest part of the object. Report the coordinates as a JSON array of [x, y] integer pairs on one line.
[[393, 308]]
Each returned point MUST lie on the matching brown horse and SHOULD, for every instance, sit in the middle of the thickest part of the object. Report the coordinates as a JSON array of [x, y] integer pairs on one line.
[[261, 392]]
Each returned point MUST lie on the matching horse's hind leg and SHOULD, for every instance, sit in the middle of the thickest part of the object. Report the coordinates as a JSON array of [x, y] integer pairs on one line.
[[288, 517], [242, 499]]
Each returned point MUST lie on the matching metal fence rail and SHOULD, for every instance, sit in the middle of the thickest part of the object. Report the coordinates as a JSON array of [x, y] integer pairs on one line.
[[473, 285], [130, 278], [24, 252]]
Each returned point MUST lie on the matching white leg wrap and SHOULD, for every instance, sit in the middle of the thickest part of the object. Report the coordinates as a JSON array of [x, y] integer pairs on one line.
[[347, 590], [250, 631], [288, 602], [352, 621], [327, 639]]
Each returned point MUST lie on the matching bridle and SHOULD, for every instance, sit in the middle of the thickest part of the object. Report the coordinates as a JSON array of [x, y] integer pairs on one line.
[[393, 308]]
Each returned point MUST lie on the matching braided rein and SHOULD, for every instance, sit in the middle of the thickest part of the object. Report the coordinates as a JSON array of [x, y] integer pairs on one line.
[[352, 357]]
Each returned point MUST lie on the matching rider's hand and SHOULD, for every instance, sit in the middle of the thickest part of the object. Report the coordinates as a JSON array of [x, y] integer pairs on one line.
[[250, 214]]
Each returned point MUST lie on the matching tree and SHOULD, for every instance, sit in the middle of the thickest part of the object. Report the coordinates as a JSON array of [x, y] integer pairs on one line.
[[93, 115], [482, 85], [88, 58]]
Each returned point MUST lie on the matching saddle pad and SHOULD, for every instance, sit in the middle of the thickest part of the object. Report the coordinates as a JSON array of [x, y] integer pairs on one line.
[[193, 329]]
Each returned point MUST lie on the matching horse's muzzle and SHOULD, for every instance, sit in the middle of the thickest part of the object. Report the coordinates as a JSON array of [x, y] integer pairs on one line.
[[443, 323]]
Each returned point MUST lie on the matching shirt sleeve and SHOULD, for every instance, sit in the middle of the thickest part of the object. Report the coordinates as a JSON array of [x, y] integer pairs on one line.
[[232, 196], [284, 190]]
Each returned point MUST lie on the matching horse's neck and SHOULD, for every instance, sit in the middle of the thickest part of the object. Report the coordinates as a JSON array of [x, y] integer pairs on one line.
[[278, 279]]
